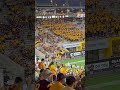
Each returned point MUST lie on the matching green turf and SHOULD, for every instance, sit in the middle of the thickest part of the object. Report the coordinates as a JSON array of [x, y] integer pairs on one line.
[[73, 60], [103, 78], [110, 81], [97, 80], [112, 87], [109, 87], [78, 61]]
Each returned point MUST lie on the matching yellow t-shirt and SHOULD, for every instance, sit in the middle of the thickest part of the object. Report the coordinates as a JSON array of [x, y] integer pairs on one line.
[[63, 70], [57, 86], [53, 69], [41, 65], [76, 71]]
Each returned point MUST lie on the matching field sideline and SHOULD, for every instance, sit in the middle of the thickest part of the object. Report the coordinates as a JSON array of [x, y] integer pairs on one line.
[[78, 61]]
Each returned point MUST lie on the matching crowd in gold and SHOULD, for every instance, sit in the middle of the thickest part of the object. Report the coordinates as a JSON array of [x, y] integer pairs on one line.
[[49, 44], [78, 73], [11, 40], [65, 30], [63, 69], [101, 20]]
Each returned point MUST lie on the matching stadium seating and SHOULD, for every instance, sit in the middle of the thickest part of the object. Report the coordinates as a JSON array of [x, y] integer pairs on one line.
[[98, 19], [67, 31], [56, 32]]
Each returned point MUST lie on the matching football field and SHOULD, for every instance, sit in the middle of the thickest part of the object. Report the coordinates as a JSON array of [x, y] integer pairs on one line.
[[109, 81], [78, 61]]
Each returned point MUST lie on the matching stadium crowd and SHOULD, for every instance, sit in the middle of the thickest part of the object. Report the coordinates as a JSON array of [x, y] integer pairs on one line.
[[58, 76], [12, 29], [94, 31], [46, 42], [10, 44], [99, 22], [50, 33], [64, 29]]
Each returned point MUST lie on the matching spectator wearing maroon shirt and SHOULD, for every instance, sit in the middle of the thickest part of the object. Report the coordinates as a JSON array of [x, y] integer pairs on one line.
[[45, 81]]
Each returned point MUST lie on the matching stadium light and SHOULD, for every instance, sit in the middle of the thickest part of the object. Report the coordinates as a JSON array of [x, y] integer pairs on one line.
[[53, 16], [68, 10], [40, 16], [66, 16]]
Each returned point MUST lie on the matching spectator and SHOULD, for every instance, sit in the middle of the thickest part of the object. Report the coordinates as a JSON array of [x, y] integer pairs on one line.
[[41, 64], [17, 84], [70, 81], [78, 86], [53, 70], [63, 69], [41, 71], [58, 85], [46, 78]]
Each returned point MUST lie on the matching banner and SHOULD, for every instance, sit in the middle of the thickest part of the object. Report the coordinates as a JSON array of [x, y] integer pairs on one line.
[[75, 54], [96, 44], [99, 66], [102, 65], [115, 63], [111, 63], [71, 45]]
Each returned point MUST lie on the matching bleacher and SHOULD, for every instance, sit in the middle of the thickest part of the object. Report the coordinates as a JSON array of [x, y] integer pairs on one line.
[[65, 30]]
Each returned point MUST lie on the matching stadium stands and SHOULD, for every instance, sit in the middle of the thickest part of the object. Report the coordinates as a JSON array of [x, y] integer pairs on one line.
[[51, 33], [98, 24]]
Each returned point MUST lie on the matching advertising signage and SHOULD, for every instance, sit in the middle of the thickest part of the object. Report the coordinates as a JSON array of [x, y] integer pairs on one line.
[[111, 63]]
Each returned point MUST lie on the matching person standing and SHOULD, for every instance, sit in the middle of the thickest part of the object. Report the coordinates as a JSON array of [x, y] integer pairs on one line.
[[44, 83], [17, 84], [59, 84], [70, 81], [63, 69], [53, 69], [41, 64]]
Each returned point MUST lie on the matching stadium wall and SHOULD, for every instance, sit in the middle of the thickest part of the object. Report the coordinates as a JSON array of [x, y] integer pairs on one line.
[[103, 46], [108, 52], [79, 45]]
